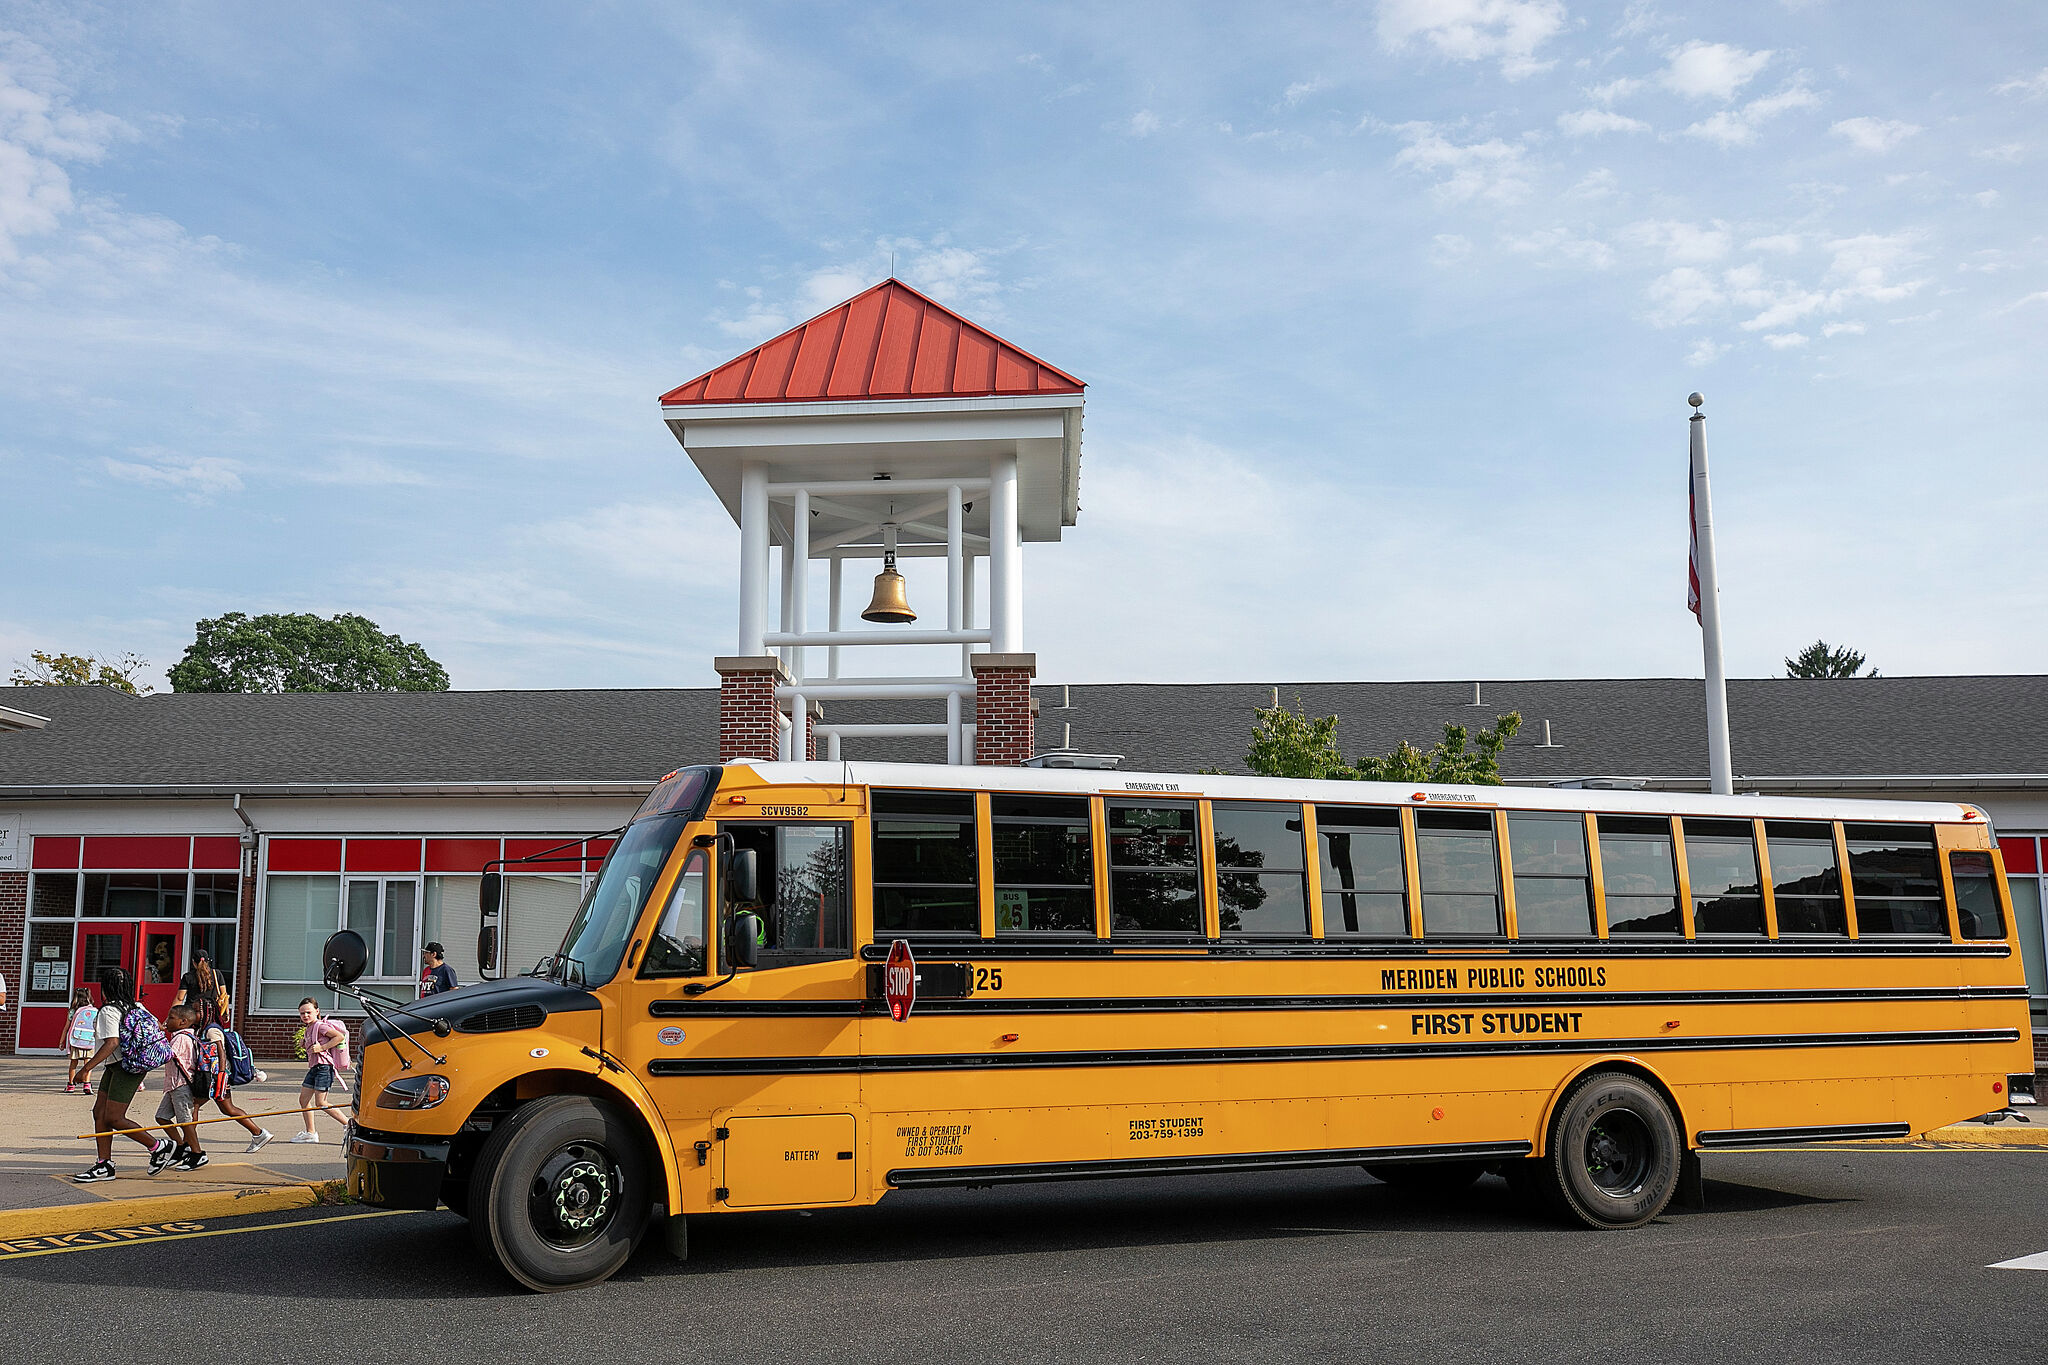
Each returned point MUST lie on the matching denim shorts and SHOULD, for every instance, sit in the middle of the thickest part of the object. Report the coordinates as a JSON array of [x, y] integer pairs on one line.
[[320, 1077]]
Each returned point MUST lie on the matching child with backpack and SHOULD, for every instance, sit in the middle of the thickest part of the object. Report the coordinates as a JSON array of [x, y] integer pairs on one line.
[[186, 1082], [81, 1038], [326, 1052], [132, 1045], [232, 1064]]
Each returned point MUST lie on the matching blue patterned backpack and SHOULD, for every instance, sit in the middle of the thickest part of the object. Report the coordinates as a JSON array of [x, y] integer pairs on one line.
[[143, 1045]]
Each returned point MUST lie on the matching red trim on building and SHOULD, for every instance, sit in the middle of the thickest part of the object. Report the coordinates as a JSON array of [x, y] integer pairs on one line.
[[383, 855], [305, 855], [55, 854], [886, 342], [2019, 855], [217, 854], [157, 852], [460, 855], [555, 864]]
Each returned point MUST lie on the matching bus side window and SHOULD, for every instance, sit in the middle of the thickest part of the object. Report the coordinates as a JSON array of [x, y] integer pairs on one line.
[[927, 878], [1154, 860], [1639, 873], [678, 946], [1805, 878], [1261, 868], [1977, 914], [1727, 891], [1460, 872], [1897, 879], [1045, 864], [1553, 886], [804, 884], [1365, 884]]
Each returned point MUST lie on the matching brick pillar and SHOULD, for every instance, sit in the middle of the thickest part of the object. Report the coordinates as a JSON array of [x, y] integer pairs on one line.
[[1003, 709], [746, 707], [13, 930]]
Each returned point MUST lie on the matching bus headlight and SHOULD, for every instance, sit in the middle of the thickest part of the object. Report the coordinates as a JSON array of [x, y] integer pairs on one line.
[[414, 1092]]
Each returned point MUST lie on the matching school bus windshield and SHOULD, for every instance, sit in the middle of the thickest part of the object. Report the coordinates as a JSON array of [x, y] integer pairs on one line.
[[597, 937]]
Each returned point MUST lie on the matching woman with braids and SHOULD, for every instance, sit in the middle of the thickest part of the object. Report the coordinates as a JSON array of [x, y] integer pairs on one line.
[[203, 989], [117, 1084]]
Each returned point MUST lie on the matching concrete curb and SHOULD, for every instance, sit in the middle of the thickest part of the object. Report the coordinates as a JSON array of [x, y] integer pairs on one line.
[[1983, 1135], [16, 1224]]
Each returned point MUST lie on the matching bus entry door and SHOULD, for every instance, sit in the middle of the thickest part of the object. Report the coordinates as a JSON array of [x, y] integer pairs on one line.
[[775, 1159]]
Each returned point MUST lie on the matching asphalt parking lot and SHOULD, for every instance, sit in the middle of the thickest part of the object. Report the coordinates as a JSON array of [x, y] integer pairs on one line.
[[1876, 1254]]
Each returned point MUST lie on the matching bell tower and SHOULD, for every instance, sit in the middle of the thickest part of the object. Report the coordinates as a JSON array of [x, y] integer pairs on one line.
[[888, 428]]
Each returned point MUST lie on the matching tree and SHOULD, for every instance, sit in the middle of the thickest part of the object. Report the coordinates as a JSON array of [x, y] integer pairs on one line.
[[1817, 660], [1291, 743], [81, 670], [300, 652]]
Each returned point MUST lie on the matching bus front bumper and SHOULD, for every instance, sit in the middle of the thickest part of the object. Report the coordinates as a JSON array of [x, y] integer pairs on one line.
[[394, 1172]]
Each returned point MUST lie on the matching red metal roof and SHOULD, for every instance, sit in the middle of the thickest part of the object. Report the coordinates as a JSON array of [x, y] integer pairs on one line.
[[889, 342]]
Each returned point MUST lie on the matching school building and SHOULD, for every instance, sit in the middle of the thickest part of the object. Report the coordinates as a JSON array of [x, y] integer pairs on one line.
[[136, 831]]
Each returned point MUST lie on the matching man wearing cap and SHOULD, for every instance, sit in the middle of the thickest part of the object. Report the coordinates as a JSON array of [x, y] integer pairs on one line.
[[435, 973]]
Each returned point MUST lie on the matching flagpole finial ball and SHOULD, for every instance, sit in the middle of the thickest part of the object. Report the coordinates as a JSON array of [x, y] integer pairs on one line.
[[1696, 399]]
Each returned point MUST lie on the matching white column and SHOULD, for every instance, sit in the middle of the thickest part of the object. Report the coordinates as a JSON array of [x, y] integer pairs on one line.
[[953, 727], [798, 735], [953, 542], [753, 559], [1005, 560], [800, 579], [788, 582], [967, 577], [1720, 767], [832, 615]]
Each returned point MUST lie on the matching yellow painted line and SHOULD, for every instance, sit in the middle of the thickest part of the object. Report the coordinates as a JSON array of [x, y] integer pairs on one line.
[[56, 1220], [186, 1236], [1895, 1148]]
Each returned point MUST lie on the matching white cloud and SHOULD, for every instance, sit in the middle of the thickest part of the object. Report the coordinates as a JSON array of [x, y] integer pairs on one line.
[[1589, 122], [1835, 329], [39, 130], [1874, 135], [1599, 183], [1561, 244], [1681, 243], [1619, 88], [1706, 351], [1492, 170], [354, 470], [1785, 341], [1474, 30], [1715, 71], [198, 477], [2027, 87], [1144, 123], [1679, 295], [1986, 198], [1301, 90], [1738, 127], [2008, 152], [956, 276], [2038, 296], [1783, 243], [1448, 248]]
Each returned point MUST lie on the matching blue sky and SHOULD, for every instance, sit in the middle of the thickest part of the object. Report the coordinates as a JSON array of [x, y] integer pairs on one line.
[[1388, 314]]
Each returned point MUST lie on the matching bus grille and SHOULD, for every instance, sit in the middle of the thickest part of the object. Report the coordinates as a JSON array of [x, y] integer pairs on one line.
[[504, 1020]]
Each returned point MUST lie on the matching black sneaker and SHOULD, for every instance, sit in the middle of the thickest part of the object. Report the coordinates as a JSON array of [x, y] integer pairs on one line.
[[189, 1160], [162, 1155], [99, 1170]]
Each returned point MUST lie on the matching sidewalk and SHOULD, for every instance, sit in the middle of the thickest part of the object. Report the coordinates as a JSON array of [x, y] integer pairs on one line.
[[40, 1150]]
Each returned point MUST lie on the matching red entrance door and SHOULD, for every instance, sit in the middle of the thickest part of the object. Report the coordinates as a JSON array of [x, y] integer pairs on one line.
[[101, 946], [162, 962]]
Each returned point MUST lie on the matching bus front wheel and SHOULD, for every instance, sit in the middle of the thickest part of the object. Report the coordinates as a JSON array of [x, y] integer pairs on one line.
[[1614, 1153], [561, 1193]]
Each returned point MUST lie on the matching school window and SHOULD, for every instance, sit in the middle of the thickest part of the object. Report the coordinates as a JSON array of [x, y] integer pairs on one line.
[[1261, 868], [1977, 914], [1154, 854], [1896, 876], [1553, 886], [1365, 882], [1045, 864], [803, 876], [1720, 862], [925, 872], [299, 912], [1638, 870], [1806, 879], [1460, 872], [386, 914]]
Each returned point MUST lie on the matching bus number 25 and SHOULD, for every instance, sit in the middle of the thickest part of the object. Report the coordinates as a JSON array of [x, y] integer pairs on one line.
[[988, 978]]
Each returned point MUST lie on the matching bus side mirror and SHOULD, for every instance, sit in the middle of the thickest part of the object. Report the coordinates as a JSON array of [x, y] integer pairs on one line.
[[742, 878], [489, 890], [487, 950], [344, 957], [746, 936]]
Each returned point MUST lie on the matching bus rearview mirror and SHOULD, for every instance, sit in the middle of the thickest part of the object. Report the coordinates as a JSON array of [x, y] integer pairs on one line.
[[487, 950], [742, 878], [746, 938], [488, 891]]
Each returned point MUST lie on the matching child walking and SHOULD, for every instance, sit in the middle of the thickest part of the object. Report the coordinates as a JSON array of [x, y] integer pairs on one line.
[[326, 1052], [80, 1037], [177, 1108], [118, 1083]]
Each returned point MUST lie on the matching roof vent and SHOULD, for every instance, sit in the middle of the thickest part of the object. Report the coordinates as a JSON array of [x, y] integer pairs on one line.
[[1601, 784], [1073, 758]]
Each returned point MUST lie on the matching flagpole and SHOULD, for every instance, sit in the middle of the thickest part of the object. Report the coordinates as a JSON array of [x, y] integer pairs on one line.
[[1720, 772]]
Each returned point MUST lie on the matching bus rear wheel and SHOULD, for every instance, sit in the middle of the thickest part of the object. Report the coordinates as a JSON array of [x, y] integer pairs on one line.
[[1435, 1179], [1614, 1152], [561, 1193]]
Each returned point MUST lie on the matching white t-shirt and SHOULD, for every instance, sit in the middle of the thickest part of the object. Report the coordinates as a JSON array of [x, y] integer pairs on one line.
[[107, 1027]]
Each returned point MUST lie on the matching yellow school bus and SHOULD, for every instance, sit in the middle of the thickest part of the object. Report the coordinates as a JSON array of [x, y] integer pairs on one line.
[[1127, 974]]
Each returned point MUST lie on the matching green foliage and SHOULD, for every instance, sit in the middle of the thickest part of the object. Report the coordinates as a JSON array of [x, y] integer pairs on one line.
[[300, 652], [1817, 660], [80, 670], [1291, 743]]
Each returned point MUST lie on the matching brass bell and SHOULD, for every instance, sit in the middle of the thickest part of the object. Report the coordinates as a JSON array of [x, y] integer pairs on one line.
[[890, 605]]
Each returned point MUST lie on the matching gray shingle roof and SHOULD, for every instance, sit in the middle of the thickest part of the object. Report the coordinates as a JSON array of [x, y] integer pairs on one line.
[[1638, 727]]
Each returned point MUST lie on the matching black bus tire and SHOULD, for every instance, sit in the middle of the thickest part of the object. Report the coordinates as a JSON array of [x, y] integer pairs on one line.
[[1434, 1179], [561, 1193], [1614, 1153]]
